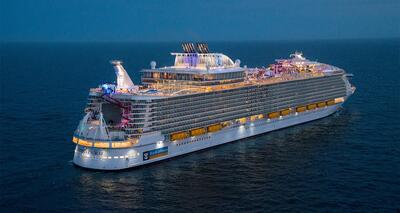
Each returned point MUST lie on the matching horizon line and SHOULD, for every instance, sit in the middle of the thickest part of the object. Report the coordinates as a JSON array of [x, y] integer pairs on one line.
[[211, 41]]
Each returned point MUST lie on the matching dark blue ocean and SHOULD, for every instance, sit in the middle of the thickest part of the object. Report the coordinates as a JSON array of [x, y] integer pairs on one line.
[[347, 162]]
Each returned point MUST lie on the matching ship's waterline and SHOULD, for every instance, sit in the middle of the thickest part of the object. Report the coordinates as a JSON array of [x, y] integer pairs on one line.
[[203, 100]]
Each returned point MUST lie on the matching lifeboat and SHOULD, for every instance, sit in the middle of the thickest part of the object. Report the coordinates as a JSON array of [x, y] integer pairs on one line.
[[301, 109], [242, 120], [197, 131], [214, 127], [226, 123], [285, 112], [311, 106], [178, 136], [273, 115], [321, 104]]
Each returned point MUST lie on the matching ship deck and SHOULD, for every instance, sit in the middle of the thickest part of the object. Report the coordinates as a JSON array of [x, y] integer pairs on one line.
[[158, 91]]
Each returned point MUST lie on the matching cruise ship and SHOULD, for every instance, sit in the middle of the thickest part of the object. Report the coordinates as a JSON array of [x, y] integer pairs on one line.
[[203, 100]]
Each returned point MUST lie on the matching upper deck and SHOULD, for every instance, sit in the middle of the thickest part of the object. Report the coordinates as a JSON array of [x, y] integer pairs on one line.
[[165, 91], [198, 71]]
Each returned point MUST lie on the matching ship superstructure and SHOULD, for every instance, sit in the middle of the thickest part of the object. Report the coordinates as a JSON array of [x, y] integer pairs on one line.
[[204, 99]]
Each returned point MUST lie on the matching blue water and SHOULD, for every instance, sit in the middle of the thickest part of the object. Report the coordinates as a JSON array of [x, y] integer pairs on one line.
[[346, 162]]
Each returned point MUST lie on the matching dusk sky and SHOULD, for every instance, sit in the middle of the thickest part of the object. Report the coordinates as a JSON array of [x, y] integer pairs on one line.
[[194, 20]]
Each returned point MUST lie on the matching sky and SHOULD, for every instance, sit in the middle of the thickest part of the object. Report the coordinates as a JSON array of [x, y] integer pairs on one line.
[[196, 20]]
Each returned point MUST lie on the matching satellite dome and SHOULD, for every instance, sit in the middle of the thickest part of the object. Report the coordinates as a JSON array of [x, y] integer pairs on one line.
[[237, 62], [153, 64]]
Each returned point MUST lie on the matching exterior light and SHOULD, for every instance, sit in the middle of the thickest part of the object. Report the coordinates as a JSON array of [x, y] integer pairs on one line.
[[159, 144]]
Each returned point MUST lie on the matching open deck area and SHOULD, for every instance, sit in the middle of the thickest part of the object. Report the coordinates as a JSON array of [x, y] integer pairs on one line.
[[176, 89]]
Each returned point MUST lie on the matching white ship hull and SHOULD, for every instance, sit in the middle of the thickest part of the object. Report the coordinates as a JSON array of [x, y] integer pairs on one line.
[[116, 159]]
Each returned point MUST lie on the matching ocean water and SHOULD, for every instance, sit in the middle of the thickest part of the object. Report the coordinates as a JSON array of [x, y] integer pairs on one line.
[[347, 162]]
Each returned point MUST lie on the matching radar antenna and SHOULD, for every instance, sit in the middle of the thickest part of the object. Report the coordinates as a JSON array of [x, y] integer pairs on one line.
[[297, 55]]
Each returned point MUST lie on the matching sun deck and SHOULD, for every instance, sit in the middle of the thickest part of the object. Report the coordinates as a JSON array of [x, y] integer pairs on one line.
[[171, 90]]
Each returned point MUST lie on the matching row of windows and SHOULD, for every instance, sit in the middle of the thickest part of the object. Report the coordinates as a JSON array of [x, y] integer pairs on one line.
[[135, 126], [193, 77], [138, 111], [194, 140], [137, 116], [138, 106], [194, 83], [136, 120]]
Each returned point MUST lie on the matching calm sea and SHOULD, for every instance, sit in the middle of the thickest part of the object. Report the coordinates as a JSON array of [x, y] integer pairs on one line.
[[347, 162]]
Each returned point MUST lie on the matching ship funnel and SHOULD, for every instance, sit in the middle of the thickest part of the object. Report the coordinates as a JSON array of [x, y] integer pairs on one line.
[[124, 82]]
